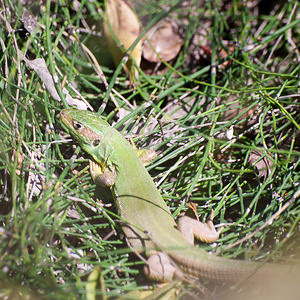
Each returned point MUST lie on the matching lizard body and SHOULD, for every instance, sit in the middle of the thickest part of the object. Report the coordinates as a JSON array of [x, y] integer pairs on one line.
[[148, 224]]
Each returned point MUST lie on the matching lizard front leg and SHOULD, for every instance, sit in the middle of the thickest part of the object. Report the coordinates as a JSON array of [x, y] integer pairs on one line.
[[102, 175]]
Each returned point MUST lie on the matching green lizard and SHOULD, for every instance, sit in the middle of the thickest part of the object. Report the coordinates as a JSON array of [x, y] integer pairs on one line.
[[148, 224]]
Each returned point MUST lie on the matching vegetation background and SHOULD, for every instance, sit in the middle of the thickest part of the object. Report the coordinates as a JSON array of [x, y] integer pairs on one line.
[[223, 116]]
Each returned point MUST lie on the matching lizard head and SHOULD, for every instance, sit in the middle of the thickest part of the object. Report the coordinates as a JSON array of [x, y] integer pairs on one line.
[[90, 131]]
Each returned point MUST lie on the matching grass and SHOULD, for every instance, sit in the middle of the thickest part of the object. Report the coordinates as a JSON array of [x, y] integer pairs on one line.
[[56, 226]]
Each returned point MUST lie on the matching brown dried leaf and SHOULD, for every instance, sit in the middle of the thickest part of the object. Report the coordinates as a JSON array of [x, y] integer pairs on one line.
[[121, 28], [263, 163], [163, 43]]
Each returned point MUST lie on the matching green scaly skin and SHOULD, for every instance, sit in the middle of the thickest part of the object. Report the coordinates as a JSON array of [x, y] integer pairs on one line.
[[141, 206]]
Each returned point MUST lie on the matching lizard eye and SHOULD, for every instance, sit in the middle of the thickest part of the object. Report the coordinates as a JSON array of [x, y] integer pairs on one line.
[[96, 142], [76, 125]]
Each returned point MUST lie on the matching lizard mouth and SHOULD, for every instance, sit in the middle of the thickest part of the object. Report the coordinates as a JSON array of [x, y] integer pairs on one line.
[[65, 117]]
